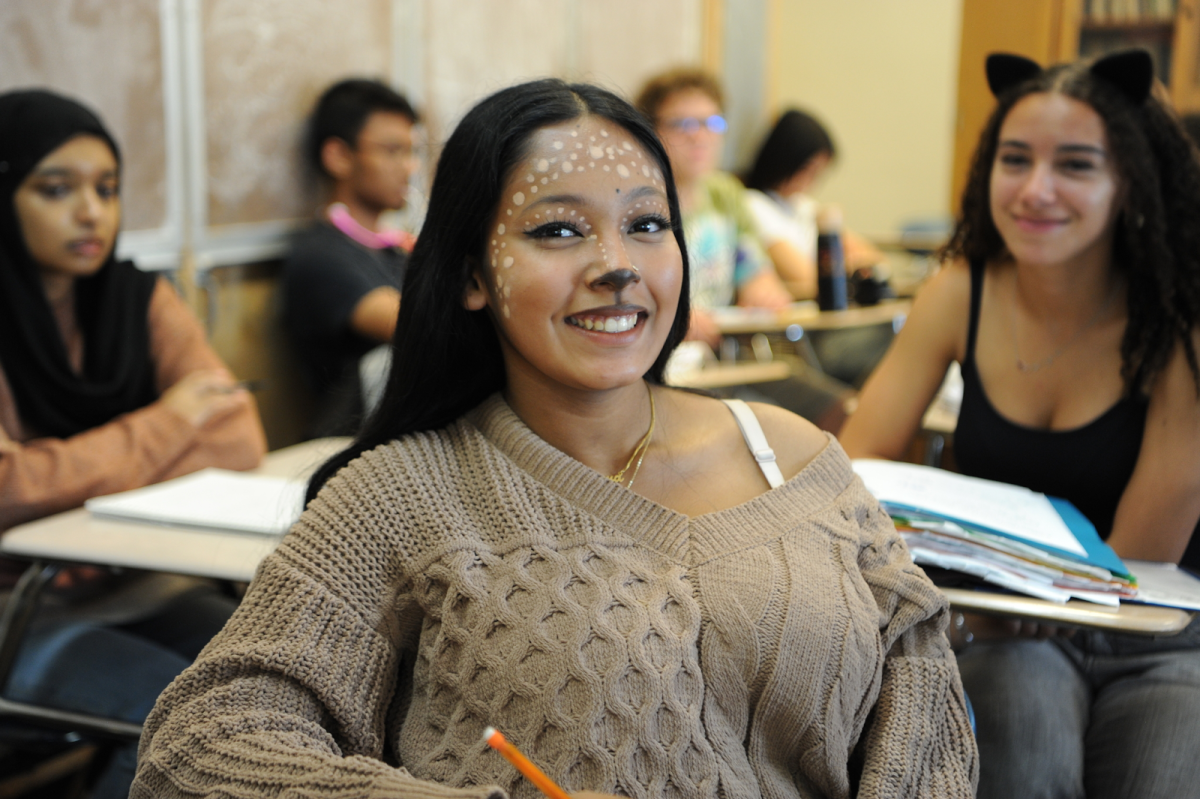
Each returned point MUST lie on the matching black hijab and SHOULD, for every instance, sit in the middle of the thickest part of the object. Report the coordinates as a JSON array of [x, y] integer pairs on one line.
[[110, 306]]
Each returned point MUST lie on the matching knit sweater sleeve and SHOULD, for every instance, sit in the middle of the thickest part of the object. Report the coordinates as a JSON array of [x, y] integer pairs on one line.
[[291, 698], [918, 741]]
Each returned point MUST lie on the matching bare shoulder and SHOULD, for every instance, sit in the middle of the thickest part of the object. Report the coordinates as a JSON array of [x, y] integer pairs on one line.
[[796, 440], [940, 311], [1174, 395], [949, 291]]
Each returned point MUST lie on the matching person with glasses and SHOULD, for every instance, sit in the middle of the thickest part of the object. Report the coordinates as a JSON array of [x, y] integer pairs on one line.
[[728, 263], [343, 273]]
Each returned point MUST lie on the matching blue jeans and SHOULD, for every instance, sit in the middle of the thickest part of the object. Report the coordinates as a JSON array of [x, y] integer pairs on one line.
[[116, 672], [1095, 715]]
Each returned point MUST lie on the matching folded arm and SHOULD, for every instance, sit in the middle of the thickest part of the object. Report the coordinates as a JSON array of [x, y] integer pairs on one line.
[[42, 476], [1158, 510]]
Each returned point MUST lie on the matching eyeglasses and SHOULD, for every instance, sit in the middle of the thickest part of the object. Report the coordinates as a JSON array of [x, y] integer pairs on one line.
[[714, 124], [395, 150]]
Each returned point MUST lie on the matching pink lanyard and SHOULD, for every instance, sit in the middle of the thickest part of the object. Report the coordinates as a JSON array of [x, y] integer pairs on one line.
[[339, 216]]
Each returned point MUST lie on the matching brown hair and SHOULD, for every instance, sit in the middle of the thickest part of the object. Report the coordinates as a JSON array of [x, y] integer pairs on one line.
[[656, 91]]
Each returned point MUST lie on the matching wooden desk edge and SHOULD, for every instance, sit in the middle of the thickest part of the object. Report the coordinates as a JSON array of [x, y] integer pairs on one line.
[[724, 375], [811, 319], [1130, 618]]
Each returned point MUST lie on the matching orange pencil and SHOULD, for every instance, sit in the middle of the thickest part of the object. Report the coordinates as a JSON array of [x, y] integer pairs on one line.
[[523, 764]]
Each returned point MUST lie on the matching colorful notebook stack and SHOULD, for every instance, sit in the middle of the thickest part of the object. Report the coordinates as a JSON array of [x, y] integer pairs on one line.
[[1002, 534]]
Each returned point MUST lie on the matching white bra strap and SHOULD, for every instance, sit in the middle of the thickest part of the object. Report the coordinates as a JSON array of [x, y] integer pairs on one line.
[[756, 441]]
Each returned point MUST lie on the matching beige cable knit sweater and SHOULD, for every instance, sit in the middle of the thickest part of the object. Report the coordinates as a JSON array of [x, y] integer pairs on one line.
[[476, 575]]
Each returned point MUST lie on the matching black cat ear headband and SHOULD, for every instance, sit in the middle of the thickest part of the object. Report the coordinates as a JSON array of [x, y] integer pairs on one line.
[[1131, 71]]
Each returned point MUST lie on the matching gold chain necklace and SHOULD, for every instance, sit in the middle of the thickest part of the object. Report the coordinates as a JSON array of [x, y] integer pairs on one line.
[[1030, 368], [639, 452]]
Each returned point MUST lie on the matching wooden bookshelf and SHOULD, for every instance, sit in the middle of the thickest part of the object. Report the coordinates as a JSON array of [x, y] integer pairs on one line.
[[1050, 31]]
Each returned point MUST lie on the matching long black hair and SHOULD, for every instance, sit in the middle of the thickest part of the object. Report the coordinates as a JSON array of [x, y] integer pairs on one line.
[[446, 359], [794, 141], [1156, 245]]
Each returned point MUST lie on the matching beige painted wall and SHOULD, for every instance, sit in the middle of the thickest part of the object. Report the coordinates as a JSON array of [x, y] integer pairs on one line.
[[882, 76]]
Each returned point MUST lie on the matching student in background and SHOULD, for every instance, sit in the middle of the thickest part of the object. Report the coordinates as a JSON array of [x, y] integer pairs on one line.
[[106, 384], [1072, 303], [792, 158], [728, 264], [343, 274], [727, 260], [534, 533]]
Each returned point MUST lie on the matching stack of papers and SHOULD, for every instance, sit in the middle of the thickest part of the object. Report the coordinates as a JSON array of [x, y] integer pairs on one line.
[[211, 498], [1005, 535]]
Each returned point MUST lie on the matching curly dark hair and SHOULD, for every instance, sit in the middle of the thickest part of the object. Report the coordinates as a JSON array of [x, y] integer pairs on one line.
[[1156, 244]]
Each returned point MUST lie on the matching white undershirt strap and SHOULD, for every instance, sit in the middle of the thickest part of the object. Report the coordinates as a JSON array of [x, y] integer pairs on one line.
[[756, 441]]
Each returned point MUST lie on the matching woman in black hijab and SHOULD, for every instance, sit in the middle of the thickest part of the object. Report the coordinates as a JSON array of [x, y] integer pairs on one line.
[[106, 383]]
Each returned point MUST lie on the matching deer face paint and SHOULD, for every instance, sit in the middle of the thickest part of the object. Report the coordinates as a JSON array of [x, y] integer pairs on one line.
[[581, 271]]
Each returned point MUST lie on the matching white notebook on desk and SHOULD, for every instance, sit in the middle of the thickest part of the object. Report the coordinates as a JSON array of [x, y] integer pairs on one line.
[[212, 498]]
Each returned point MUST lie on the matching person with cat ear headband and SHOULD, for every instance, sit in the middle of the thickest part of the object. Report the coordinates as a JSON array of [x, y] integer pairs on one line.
[[1070, 298]]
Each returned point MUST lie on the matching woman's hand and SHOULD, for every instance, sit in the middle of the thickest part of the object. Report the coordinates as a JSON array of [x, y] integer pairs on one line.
[[204, 395], [78, 582]]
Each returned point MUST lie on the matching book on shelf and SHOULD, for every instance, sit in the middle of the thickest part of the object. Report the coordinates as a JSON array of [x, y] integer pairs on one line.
[[216, 499]]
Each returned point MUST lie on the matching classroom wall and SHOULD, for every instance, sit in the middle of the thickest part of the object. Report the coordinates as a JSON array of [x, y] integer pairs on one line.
[[208, 97], [882, 75]]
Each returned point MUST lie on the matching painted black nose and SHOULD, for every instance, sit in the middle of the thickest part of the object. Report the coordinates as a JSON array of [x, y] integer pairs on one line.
[[616, 279]]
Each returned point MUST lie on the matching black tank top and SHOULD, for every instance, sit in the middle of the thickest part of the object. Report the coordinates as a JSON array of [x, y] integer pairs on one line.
[[1087, 465]]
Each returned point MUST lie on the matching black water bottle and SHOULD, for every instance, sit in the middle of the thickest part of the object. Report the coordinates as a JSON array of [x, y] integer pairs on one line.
[[831, 261]]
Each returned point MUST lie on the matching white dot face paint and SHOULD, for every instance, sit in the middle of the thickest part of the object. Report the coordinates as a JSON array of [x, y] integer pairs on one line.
[[571, 214]]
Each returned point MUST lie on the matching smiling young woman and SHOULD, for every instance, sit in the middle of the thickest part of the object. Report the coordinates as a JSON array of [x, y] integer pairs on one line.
[[534, 533], [1072, 305]]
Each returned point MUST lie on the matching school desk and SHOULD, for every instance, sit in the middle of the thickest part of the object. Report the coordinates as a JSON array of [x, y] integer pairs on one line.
[[806, 316], [75, 537]]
